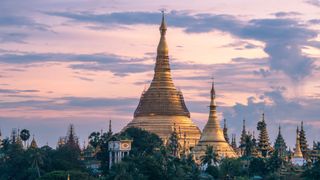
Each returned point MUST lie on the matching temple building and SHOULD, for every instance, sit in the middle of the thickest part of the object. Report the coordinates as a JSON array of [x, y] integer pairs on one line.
[[280, 145], [162, 105], [212, 135], [303, 142], [264, 146]]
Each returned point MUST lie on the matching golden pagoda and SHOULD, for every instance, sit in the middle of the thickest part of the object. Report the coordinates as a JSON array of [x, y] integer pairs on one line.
[[33, 144], [212, 135], [162, 106], [297, 158]]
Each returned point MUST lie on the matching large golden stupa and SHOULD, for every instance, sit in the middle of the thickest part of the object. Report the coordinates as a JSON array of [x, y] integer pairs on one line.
[[162, 108], [212, 135]]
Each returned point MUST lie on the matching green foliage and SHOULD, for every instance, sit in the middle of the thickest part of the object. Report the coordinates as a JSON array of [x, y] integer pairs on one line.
[[144, 142], [213, 171], [156, 166], [210, 157], [274, 162], [20, 164], [247, 145], [173, 144], [231, 167], [63, 175], [313, 173], [25, 135], [258, 167]]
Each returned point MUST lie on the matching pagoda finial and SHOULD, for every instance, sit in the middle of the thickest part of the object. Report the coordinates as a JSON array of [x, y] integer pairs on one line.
[[244, 125], [213, 94], [110, 127], [225, 130], [163, 46], [301, 125], [263, 116], [163, 26], [279, 129]]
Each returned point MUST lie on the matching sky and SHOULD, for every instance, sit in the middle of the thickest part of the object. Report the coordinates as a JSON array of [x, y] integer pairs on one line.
[[86, 62]]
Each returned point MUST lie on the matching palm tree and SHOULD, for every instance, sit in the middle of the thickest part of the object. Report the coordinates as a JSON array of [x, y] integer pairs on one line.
[[248, 145], [37, 159], [94, 139], [25, 135], [210, 157]]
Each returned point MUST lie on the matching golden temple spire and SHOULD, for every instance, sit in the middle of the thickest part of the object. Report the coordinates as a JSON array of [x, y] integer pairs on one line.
[[212, 134], [163, 46], [162, 105], [297, 151], [33, 144], [213, 95]]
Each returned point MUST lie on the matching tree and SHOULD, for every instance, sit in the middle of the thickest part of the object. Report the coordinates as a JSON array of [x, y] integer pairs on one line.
[[313, 173], [275, 162], [62, 175], [231, 167], [247, 145], [25, 135], [94, 139], [258, 167], [173, 143], [36, 157], [143, 142], [210, 157]]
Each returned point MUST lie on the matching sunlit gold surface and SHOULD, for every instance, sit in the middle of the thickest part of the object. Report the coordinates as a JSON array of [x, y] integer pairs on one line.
[[297, 151], [164, 125], [162, 106], [212, 135]]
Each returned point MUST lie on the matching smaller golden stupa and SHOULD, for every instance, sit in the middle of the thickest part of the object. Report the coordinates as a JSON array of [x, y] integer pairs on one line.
[[297, 158], [212, 135]]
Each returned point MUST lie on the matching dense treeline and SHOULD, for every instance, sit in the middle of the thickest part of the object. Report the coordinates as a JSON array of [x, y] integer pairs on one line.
[[150, 159]]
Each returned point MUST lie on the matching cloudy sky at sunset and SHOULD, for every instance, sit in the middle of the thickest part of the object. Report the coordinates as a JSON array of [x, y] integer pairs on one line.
[[88, 61]]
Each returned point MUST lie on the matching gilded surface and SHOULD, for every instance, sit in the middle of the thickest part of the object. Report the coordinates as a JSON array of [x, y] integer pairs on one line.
[[212, 135], [297, 151], [162, 106]]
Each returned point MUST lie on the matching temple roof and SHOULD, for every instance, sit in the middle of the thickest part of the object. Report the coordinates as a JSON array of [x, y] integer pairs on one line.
[[162, 98]]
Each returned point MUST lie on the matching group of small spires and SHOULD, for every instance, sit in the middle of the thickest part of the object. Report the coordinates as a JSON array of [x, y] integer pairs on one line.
[[71, 139], [262, 146], [21, 138]]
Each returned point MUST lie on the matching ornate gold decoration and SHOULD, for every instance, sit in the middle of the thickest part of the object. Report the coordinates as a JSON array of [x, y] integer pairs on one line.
[[212, 134], [162, 105]]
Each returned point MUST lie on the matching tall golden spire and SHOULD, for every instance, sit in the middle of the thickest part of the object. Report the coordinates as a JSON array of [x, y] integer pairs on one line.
[[163, 46], [212, 130], [162, 105], [297, 150], [162, 97], [212, 134]]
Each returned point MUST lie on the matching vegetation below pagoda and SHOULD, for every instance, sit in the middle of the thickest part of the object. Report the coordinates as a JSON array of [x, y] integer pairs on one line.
[[149, 159]]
